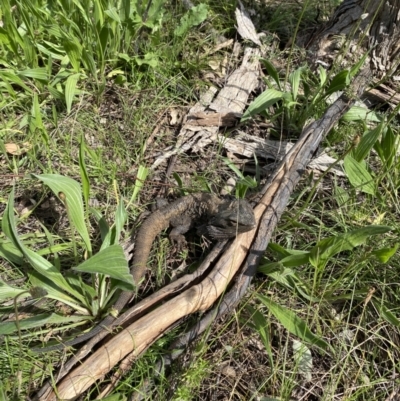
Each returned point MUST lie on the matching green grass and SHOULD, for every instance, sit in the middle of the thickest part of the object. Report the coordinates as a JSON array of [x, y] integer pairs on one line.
[[105, 73]]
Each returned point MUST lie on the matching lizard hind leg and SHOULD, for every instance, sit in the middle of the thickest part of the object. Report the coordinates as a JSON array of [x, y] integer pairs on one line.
[[181, 225]]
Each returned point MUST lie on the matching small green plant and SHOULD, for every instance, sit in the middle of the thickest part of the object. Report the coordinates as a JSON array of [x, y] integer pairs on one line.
[[305, 94], [90, 300]]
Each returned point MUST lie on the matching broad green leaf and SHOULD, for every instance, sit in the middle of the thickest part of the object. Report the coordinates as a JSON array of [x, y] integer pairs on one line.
[[288, 261], [48, 271], [58, 288], [7, 291], [36, 114], [150, 59], [70, 87], [7, 328], [89, 63], [104, 36], [389, 146], [113, 14], [359, 113], [83, 13], [385, 254], [293, 323], [15, 80], [35, 73], [74, 51], [51, 52], [99, 13], [121, 216], [193, 17], [367, 142], [125, 57], [322, 76], [358, 176], [104, 227], [178, 179], [11, 253], [124, 10], [55, 93], [153, 19], [298, 259], [262, 102], [233, 167], [342, 196], [325, 249], [278, 249], [270, 268], [339, 82], [294, 79], [290, 279], [70, 193], [110, 261], [271, 71], [56, 248]]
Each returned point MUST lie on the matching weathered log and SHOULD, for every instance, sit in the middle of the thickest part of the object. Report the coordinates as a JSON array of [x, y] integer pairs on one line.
[[359, 26]]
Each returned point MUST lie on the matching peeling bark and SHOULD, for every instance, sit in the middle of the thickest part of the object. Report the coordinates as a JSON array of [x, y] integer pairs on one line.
[[358, 26]]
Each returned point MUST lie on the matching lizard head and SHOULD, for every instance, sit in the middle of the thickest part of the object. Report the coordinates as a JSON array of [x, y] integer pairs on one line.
[[232, 218]]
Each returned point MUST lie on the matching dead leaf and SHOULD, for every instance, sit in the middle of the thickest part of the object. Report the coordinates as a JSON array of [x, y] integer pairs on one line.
[[174, 117], [16, 150], [245, 26]]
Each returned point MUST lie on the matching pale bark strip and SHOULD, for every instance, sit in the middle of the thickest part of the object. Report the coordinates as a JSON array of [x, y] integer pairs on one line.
[[230, 101], [359, 26]]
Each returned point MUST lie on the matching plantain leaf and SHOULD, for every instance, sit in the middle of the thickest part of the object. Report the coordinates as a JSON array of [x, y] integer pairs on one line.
[[367, 142], [70, 87], [35, 73], [70, 193], [110, 261], [7, 328], [325, 249], [358, 175], [58, 284], [385, 254], [338, 83], [262, 102], [293, 323], [272, 71], [7, 291], [359, 113], [294, 79]]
